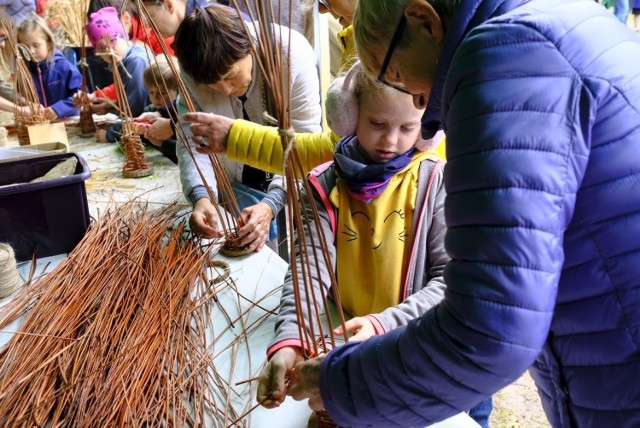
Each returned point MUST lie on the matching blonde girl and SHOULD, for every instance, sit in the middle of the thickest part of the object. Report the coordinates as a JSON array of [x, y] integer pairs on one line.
[[55, 78]]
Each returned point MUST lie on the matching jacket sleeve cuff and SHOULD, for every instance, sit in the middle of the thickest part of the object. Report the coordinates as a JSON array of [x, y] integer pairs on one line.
[[275, 198], [197, 193], [287, 343], [377, 325]]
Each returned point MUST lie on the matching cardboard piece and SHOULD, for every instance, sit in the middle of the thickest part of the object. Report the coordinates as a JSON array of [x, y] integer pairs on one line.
[[48, 133], [31, 151]]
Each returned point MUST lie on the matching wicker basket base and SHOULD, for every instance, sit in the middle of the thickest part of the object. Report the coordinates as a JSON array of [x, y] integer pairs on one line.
[[231, 248], [138, 173], [321, 419]]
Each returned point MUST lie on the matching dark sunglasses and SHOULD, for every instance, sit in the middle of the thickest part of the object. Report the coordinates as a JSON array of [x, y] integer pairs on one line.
[[389, 54], [323, 6]]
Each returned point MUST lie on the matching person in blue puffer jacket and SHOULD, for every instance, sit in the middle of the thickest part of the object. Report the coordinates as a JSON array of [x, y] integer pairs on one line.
[[55, 79], [539, 101]]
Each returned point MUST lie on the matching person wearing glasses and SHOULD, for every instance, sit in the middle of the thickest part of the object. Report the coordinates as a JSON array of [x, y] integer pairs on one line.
[[7, 29], [542, 214], [342, 11]]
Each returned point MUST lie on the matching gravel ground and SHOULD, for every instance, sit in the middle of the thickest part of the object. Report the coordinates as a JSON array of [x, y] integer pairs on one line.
[[518, 406]]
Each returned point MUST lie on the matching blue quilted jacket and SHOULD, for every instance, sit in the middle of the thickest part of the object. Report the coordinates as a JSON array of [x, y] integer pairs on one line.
[[540, 100]]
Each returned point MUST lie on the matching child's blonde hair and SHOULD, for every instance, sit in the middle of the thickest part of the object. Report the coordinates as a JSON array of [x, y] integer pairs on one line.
[[372, 32], [37, 23], [159, 71], [362, 82]]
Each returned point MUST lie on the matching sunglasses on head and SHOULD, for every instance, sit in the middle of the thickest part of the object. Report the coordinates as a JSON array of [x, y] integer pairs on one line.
[[387, 58], [323, 6]]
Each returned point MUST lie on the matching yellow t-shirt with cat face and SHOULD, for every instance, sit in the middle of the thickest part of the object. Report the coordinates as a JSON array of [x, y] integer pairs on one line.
[[373, 242]]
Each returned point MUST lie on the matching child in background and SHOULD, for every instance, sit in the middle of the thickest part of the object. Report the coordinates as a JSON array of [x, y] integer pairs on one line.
[[157, 123], [137, 32], [56, 79], [108, 37]]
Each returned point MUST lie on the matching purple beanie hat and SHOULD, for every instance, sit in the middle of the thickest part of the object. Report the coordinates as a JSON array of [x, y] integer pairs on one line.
[[105, 21]]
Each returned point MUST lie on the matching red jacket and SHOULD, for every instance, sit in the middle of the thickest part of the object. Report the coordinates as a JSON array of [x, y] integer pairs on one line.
[[143, 33]]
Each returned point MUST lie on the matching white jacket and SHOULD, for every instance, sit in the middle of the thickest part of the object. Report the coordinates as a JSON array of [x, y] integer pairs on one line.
[[306, 113]]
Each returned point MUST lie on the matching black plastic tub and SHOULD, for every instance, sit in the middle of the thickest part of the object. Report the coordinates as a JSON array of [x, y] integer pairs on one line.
[[45, 218]]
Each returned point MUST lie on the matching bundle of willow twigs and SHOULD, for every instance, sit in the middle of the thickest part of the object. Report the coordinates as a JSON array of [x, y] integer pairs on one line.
[[135, 161], [115, 335], [68, 17], [25, 95], [87, 125], [269, 56]]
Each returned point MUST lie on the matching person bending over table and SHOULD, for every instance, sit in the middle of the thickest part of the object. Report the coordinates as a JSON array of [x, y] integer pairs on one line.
[[222, 77], [542, 214]]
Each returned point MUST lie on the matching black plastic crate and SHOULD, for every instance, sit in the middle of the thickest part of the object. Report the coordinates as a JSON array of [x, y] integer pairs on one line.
[[49, 217]]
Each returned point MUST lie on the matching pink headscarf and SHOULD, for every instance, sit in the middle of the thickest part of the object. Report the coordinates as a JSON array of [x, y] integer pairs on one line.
[[105, 21]]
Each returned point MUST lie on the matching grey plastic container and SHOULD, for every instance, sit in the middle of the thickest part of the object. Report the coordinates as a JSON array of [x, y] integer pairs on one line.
[[45, 218]]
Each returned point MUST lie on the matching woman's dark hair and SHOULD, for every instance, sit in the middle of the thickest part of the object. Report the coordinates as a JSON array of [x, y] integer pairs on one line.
[[119, 5], [209, 42]]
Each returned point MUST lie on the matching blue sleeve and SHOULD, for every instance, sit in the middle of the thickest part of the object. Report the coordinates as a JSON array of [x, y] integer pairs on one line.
[[276, 198], [114, 132], [516, 157], [170, 111], [71, 82], [137, 93]]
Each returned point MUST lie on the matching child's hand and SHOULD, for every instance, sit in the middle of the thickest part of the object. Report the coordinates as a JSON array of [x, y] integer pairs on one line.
[[148, 116], [160, 129], [361, 327], [101, 136], [141, 126], [32, 108], [100, 105], [50, 114], [272, 388], [77, 97]]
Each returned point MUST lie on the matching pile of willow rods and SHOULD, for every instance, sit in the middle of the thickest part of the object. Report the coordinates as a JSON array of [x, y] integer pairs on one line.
[[115, 335]]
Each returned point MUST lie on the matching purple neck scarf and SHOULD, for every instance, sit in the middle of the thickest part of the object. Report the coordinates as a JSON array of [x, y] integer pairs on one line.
[[366, 181]]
